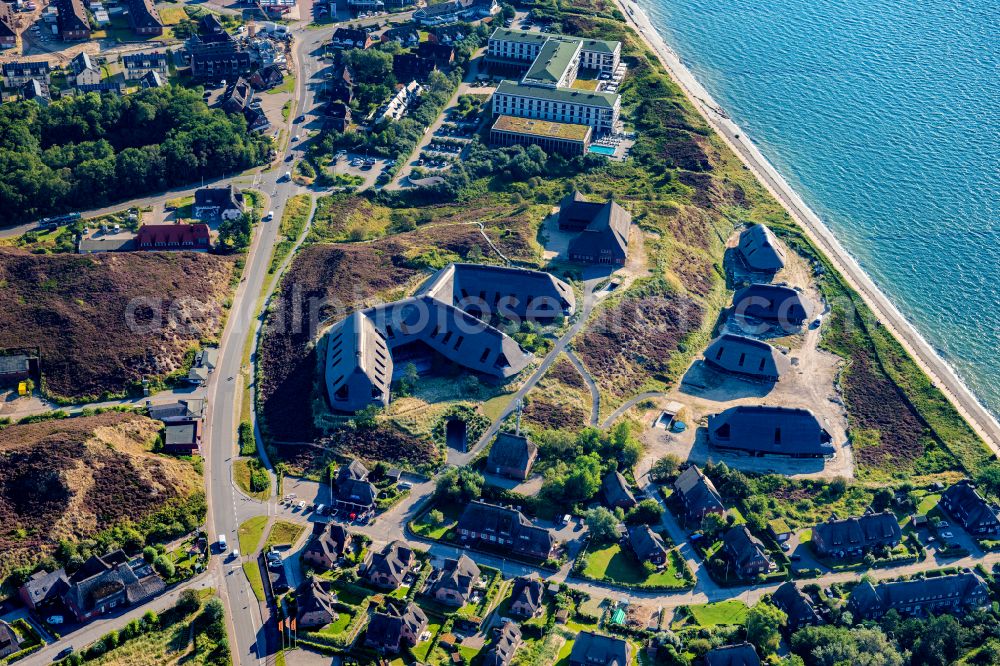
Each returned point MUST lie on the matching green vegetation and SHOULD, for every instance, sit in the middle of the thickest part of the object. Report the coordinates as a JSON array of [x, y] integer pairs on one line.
[[287, 85], [252, 478], [611, 564], [252, 571], [293, 223], [722, 612], [86, 151], [283, 533], [250, 534]]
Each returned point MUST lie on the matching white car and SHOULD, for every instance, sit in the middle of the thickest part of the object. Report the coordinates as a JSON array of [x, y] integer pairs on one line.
[[947, 535], [269, 216]]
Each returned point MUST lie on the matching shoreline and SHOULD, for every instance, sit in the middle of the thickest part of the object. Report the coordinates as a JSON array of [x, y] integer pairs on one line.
[[943, 376]]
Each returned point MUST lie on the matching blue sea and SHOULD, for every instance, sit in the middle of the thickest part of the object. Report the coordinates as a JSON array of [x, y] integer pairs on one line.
[[885, 116]]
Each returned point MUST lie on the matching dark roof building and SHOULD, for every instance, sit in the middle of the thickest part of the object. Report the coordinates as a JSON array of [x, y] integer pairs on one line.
[[15, 367], [399, 623], [603, 230], [442, 54], [138, 65], [616, 492], [338, 116], [773, 304], [852, 537], [745, 552], [697, 494], [760, 250], [506, 640], [342, 86], [43, 588], [161, 237], [351, 38], [216, 60], [388, 569], [526, 597], [238, 96], [151, 80], [8, 27], [316, 604], [108, 582], [9, 643], [796, 605], [17, 72], [511, 455], [446, 317], [746, 357], [766, 430], [218, 202], [942, 594], [355, 498], [74, 23], [143, 17], [182, 437], [494, 526], [590, 649], [410, 67], [964, 503], [352, 471], [36, 90], [743, 654], [407, 35], [453, 586], [647, 545], [267, 77], [328, 547]]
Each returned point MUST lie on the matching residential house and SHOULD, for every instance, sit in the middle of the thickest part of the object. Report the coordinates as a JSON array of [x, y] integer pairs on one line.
[[316, 604], [511, 455], [406, 35], [137, 65], [388, 568], [73, 22], [217, 60], [777, 305], [921, 596], [143, 18], [14, 368], [743, 654], [355, 499], [17, 73], [590, 649], [204, 363], [616, 492], [151, 80], [351, 38], [36, 90], [410, 67], [746, 357], [697, 495], [8, 27], [190, 409], [442, 54], [112, 86], [338, 116], [453, 586], [210, 29], [399, 623], [770, 430], [267, 77], [968, 508], [82, 62], [256, 119], [182, 438], [166, 237], [603, 230], [526, 597], [853, 537], [327, 548], [760, 250], [492, 526], [100, 585], [442, 13], [352, 471], [745, 553], [225, 203], [238, 96], [506, 640], [448, 35], [342, 86], [779, 530], [795, 604], [359, 6], [9, 643], [647, 545]]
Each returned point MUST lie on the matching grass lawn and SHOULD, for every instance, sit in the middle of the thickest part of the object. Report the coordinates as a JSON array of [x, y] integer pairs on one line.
[[293, 222], [722, 612], [342, 622], [241, 474], [287, 85], [928, 503], [172, 14], [283, 533], [423, 527], [611, 563], [250, 533], [421, 649], [252, 572]]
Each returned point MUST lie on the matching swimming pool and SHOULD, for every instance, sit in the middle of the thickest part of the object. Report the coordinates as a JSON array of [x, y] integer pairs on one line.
[[602, 150]]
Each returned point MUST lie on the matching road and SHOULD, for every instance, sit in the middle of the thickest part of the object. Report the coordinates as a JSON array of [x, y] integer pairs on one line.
[[944, 377]]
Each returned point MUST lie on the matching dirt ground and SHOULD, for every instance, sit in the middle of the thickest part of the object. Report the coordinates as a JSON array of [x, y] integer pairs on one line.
[[811, 384]]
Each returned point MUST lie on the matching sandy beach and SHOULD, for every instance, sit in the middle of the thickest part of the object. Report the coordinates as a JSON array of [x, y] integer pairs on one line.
[[936, 368]]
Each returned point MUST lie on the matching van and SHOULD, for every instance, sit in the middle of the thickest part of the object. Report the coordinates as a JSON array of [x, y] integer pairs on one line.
[[222, 543], [321, 509], [269, 216]]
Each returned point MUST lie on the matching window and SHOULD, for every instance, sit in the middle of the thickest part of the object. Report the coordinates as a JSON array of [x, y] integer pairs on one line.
[[458, 343], [777, 436], [486, 352], [742, 358], [446, 338]]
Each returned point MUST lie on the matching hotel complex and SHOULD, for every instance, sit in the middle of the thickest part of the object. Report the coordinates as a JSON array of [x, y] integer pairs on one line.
[[549, 65]]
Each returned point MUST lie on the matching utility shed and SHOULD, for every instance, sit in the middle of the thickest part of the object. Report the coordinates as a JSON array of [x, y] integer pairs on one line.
[[760, 250], [765, 430], [747, 357]]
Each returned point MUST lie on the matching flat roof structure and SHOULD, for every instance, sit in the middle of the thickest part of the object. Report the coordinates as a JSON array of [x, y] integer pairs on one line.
[[563, 95], [525, 37], [766, 430], [449, 317], [543, 128], [747, 357], [554, 60]]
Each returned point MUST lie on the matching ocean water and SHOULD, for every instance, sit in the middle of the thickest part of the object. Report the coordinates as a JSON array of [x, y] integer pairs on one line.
[[885, 116]]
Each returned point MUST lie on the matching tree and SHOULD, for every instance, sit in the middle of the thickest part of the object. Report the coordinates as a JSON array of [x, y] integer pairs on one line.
[[188, 602], [647, 512], [435, 517], [602, 524], [664, 468], [989, 478], [828, 645], [149, 554], [164, 566], [712, 524], [764, 624], [459, 484]]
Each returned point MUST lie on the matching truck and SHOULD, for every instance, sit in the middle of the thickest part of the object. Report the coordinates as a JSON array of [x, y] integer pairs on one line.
[[222, 543]]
